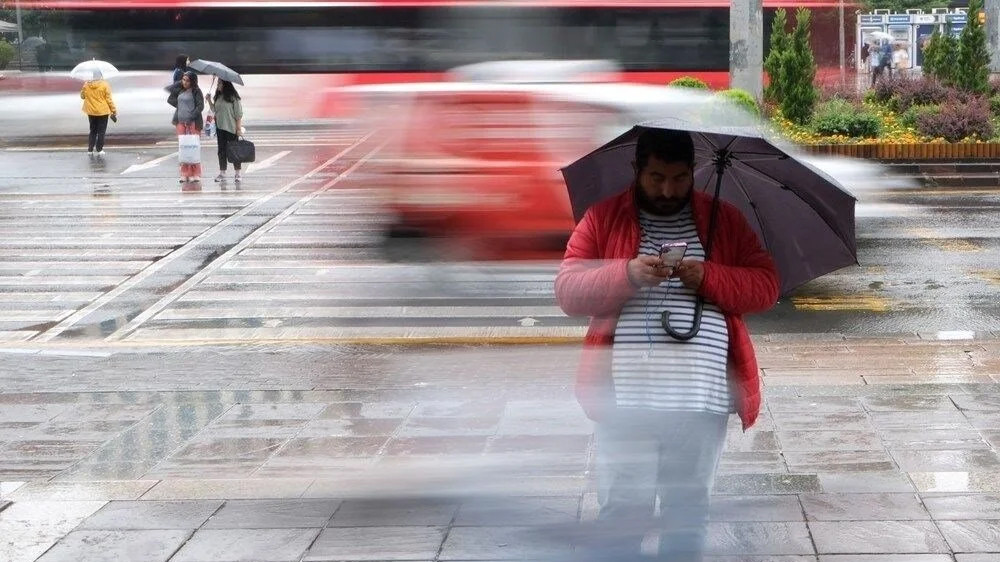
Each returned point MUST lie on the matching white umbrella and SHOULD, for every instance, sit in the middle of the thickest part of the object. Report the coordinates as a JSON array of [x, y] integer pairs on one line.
[[93, 70], [881, 36]]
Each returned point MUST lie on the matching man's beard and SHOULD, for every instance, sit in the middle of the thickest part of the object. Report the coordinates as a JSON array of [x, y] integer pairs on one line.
[[662, 206]]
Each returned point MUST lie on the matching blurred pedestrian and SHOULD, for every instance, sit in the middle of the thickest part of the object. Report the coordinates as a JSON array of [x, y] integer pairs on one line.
[[189, 100], [885, 59], [662, 399], [99, 106], [180, 67], [228, 122], [875, 63], [901, 60]]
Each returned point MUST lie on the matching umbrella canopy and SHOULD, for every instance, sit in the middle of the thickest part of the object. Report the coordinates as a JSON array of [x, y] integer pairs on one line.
[[216, 69], [7, 27], [803, 217], [880, 36], [93, 70]]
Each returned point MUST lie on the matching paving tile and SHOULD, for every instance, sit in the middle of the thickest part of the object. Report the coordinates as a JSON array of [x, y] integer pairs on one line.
[[138, 515], [228, 448], [864, 482], [80, 491], [982, 402], [756, 508], [910, 460], [515, 511], [863, 507], [916, 421], [753, 440], [238, 545], [759, 538], [765, 484], [31, 412], [921, 403], [983, 420], [818, 421], [79, 430], [963, 506], [436, 445], [394, 512], [8, 488], [350, 427], [375, 409], [818, 404], [490, 410], [252, 428], [956, 481], [885, 558], [567, 444], [332, 447], [752, 462], [115, 546], [978, 557], [829, 441], [501, 543], [262, 488], [877, 537], [50, 449], [377, 543], [931, 439], [839, 461], [275, 411], [760, 559], [273, 514], [28, 529], [107, 412], [972, 536]]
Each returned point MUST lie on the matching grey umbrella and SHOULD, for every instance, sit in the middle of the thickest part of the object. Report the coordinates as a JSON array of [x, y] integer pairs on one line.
[[216, 69], [803, 216]]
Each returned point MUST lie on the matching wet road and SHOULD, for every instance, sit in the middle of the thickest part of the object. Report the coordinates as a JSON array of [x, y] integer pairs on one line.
[[115, 249]]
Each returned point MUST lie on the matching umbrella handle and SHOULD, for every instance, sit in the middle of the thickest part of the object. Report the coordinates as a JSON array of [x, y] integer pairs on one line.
[[721, 161]]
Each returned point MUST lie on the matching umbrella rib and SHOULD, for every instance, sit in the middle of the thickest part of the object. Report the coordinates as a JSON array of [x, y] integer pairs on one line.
[[743, 188], [834, 228]]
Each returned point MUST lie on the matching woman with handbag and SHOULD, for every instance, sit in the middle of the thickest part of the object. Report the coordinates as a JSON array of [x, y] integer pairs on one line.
[[229, 122], [98, 105], [190, 103]]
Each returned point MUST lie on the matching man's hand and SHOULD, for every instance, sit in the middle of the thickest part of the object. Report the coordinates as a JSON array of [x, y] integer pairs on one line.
[[691, 273], [647, 271]]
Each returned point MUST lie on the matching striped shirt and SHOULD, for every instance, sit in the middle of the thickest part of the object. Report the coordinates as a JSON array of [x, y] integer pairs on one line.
[[652, 370]]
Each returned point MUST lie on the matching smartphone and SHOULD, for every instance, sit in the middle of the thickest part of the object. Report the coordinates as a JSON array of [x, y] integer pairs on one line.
[[673, 253]]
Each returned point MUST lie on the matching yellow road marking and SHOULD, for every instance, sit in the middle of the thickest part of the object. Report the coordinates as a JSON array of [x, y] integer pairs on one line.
[[989, 275], [842, 302], [947, 244]]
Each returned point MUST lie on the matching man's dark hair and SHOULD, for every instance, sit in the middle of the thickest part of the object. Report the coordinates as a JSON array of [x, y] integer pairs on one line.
[[181, 61], [666, 144]]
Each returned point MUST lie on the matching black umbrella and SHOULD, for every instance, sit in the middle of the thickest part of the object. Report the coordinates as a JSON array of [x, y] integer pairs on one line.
[[216, 69], [803, 217]]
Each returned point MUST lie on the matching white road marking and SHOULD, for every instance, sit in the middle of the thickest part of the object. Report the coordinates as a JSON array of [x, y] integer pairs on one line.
[[267, 163], [148, 272], [213, 266], [147, 165]]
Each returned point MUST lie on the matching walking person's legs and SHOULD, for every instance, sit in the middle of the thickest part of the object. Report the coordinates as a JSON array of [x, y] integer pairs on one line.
[[689, 457], [102, 130], [92, 136], [222, 140], [627, 466]]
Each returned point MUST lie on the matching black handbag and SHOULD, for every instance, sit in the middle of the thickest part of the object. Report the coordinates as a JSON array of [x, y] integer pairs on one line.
[[240, 151]]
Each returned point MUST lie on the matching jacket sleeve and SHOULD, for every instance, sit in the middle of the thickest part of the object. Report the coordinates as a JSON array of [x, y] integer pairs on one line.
[[750, 285], [587, 285], [199, 102], [111, 102]]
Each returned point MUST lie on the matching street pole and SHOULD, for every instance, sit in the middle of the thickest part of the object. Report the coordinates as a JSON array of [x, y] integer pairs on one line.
[[843, 58], [992, 9], [20, 35], [746, 46]]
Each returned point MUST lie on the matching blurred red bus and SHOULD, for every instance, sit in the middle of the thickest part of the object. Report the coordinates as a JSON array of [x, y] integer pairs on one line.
[[387, 41]]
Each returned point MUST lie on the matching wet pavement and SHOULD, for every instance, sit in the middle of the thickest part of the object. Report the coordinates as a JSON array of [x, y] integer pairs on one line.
[[129, 432], [865, 448], [114, 249]]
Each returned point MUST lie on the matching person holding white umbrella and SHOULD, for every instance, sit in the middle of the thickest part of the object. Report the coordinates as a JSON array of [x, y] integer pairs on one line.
[[99, 106]]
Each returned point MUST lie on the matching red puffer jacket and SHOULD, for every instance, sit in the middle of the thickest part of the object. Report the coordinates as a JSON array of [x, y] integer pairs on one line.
[[593, 281]]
